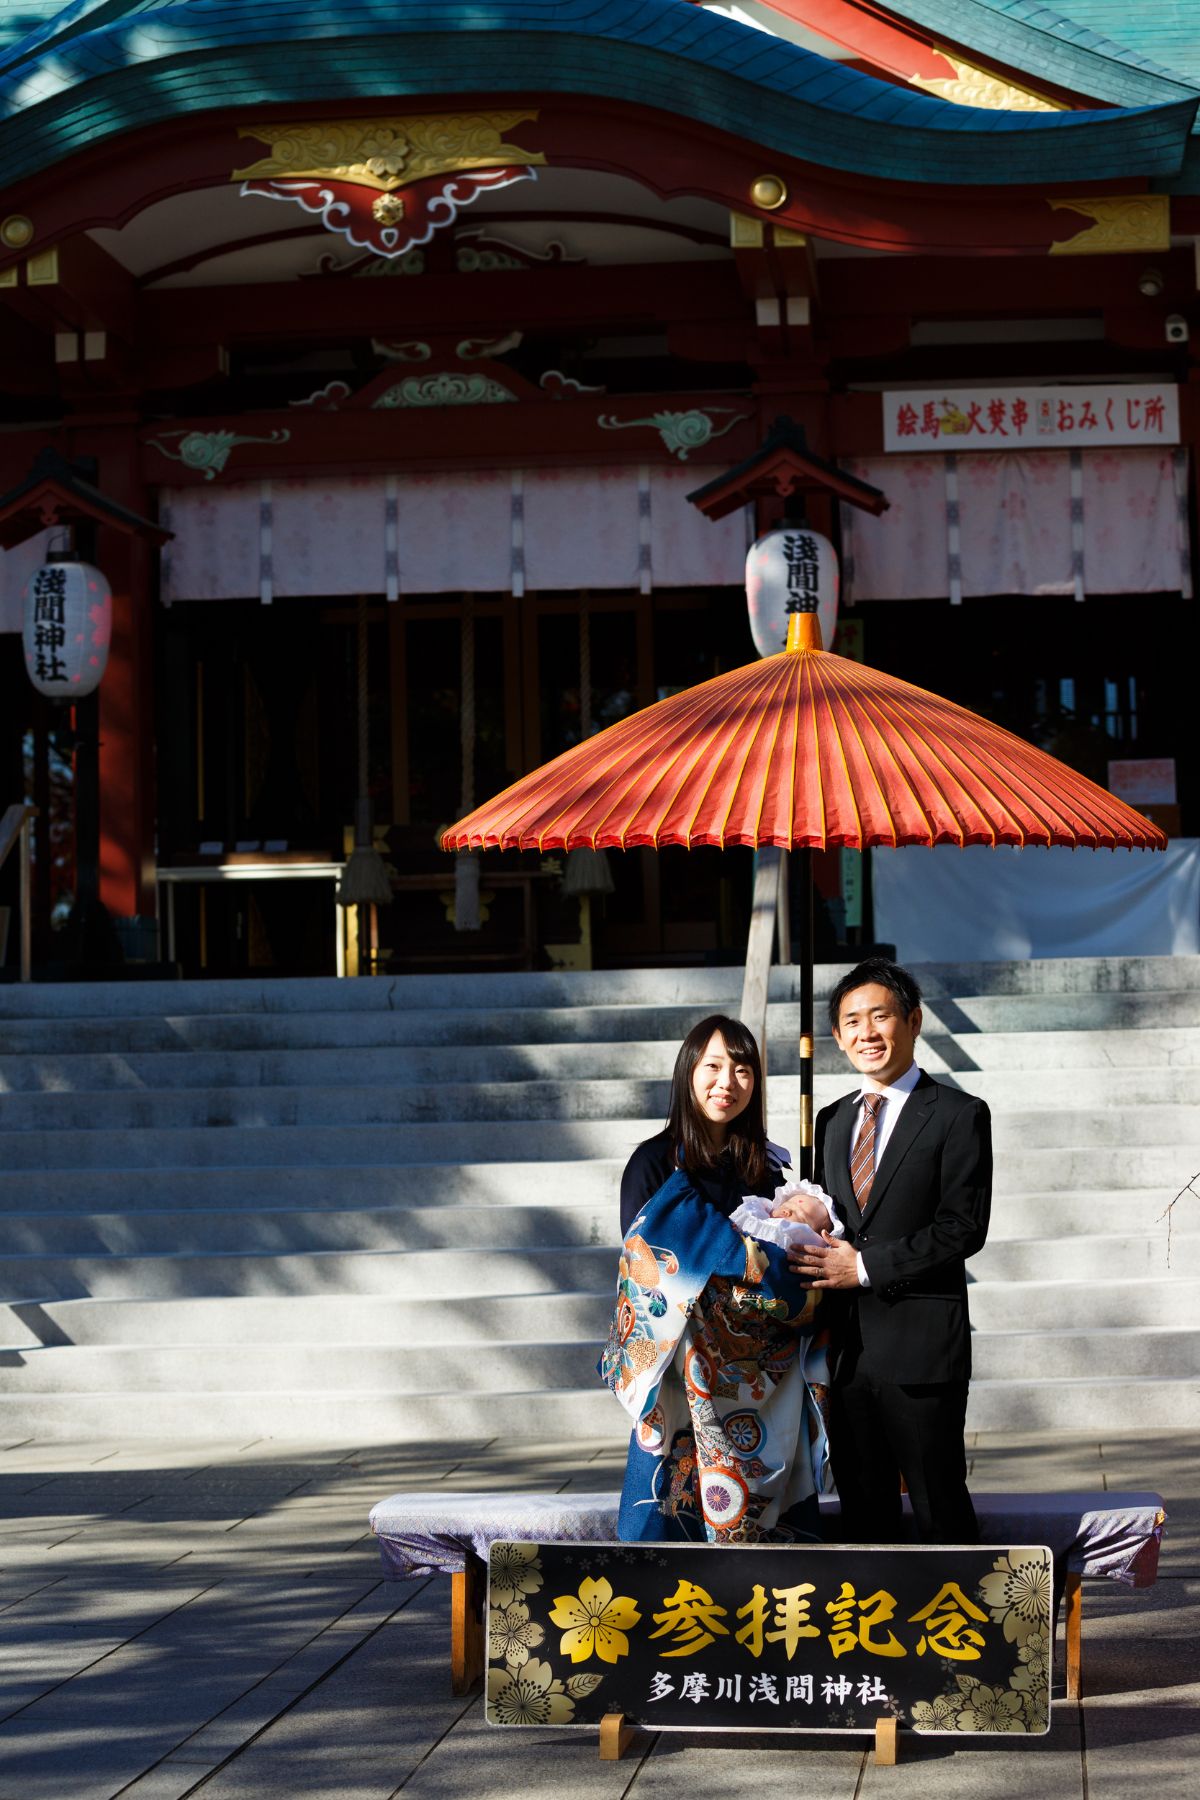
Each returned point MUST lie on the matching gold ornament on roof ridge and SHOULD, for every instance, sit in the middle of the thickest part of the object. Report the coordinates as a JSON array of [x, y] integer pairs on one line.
[[388, 153], [969, 86], [1119, 222]]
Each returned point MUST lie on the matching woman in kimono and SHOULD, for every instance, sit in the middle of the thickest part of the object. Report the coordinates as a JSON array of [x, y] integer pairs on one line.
[[712, 1346]]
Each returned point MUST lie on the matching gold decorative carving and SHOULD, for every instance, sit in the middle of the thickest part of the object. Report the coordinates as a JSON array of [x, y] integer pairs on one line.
[[769, 192], [42, 270], [388, 153], [745, 233], [387, 209], [16, 231], [787, 239], [1120, 222], [969, 86]]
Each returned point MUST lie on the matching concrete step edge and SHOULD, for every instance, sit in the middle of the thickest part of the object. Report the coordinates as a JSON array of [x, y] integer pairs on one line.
[[515, 1346], [1092, 1241]]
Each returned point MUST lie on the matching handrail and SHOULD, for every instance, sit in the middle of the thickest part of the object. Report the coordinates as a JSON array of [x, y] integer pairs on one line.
[[766, 911], [14, 828]]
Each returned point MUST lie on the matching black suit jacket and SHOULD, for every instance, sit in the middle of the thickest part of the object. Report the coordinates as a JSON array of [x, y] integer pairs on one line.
[[927, 1211]]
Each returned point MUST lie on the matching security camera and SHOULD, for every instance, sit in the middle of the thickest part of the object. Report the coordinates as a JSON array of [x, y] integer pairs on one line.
[[1176, 328]]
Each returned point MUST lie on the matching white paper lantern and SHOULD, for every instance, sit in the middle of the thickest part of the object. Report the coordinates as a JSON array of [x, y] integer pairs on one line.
[[790, 569], [68, 624]]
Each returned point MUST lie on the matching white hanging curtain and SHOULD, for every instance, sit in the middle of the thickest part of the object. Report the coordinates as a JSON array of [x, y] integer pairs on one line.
[[1021, 522], [493, 531], [16, 566]]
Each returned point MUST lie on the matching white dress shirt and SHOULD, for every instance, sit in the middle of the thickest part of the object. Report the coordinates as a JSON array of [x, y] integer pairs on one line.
[[885, 1123]]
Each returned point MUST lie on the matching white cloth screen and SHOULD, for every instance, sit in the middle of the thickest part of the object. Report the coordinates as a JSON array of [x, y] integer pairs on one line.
[[16, 566], [981, 905], [1021, 522], [484, 532]]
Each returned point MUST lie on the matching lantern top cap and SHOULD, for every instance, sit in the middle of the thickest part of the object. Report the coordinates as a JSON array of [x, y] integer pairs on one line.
[[784, 468], [56, 492]]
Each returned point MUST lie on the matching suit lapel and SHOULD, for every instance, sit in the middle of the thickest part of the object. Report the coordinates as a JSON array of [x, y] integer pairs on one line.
[[915, 1114]]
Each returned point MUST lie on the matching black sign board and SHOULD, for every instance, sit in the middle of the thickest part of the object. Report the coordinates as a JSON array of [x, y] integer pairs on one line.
[[770, 1638]]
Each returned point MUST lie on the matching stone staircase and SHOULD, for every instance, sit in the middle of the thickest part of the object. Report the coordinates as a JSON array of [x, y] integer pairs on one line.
[[387, 1209]]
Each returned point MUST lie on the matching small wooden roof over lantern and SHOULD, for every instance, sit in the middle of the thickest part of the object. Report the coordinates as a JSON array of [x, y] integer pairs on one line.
[[56, 492], [784, 468]]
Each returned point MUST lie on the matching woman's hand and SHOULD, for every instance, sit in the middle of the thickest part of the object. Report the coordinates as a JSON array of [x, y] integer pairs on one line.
[[804, 1209]]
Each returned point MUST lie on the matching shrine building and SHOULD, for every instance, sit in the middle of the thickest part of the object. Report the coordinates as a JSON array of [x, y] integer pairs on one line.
[[372, 351]]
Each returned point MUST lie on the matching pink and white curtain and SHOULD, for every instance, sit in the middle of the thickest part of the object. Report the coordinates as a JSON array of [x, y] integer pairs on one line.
[[1050, 522], [493, 531]]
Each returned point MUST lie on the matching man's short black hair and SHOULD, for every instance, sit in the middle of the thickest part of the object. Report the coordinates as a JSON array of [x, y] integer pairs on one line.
[[887, 974]]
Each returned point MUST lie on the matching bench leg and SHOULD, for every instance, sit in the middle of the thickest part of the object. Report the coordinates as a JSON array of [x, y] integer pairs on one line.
[[615, 1737], [1073, 1619], [887, 1743], [466, 1628]]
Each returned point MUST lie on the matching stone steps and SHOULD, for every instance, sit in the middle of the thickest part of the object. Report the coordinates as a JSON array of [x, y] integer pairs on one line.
[[564, 1316], [1073, 979], [479, 1218], [480, 1367], [304, 1319], [513, 1269], [354, 1417], [1157, 1015], [401, 1097], [1151, 1147], [270, 1187], [400, 1272], [322, 1060], [260, 1206], [1037, 1108]]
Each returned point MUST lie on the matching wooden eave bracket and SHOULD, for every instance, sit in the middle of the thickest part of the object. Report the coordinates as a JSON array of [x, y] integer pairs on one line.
[[782, 467]]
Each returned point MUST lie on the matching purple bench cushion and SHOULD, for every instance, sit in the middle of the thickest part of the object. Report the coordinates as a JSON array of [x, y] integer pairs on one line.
[[1117, 1535]]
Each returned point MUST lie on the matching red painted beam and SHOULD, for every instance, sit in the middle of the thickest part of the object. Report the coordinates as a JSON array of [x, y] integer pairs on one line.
[[940, 287], [549, 434], [578, 297], [667, 154]]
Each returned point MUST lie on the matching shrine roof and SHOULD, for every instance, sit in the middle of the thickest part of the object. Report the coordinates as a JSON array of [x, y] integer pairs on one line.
[[90, 71], [1167, 30], [1126, 53]]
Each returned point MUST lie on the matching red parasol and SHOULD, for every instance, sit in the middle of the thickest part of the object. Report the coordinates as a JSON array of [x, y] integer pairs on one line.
[[804, 750]]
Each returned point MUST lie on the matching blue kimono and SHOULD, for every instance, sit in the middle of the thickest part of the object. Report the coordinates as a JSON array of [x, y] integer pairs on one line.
[[713, 1352]]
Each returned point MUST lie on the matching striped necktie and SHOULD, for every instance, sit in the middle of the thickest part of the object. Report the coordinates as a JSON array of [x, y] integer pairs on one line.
[[862, 1159]]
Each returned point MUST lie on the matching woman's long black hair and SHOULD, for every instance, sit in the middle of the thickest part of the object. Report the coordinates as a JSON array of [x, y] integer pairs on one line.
[[746, 1136]]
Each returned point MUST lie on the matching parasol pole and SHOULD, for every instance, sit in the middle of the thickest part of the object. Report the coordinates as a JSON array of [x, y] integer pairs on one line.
[[804, 633], [807, 1035]]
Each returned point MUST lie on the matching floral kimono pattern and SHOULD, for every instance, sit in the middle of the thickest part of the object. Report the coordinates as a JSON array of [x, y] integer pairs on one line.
[[714, 1353]]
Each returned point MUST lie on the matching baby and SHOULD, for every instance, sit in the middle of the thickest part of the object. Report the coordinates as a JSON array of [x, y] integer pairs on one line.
[[799, 1213]]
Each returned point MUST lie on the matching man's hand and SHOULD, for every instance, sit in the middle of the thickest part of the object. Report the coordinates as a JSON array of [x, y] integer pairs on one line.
[[833, 1264]]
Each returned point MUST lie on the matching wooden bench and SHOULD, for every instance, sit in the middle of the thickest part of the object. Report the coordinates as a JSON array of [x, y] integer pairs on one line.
[[1112, 1535]]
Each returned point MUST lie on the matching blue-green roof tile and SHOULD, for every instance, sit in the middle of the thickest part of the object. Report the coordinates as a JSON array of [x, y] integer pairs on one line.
[[95, 70], [1104, 64]]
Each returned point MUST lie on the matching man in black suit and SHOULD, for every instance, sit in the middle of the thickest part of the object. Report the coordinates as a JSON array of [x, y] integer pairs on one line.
[[909, 1164]]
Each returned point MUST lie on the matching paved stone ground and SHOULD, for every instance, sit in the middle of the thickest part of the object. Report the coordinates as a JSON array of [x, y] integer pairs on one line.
[[209, 1618]]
